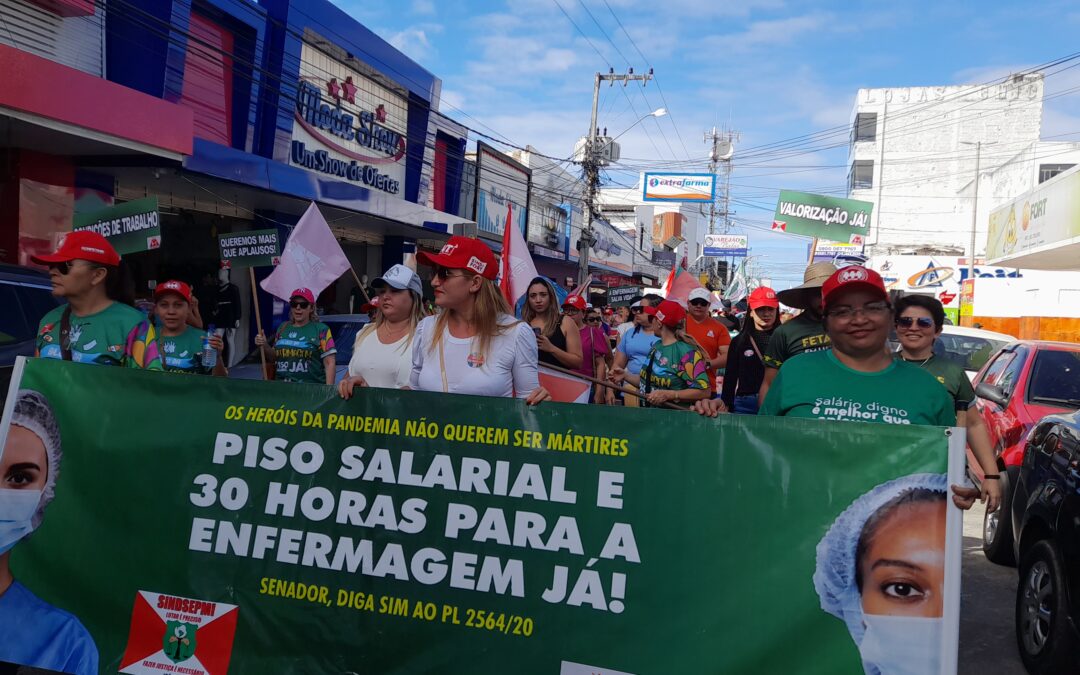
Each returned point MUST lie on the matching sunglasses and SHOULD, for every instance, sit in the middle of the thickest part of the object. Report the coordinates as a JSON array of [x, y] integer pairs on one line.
[[699, 303], [921, 322], [299, 304], [636, 310], [443, 273], [64, 268], [593, 319]]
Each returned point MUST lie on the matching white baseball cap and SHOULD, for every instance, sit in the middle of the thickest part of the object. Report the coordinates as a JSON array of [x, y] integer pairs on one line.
[[699, 294], [400, 277]]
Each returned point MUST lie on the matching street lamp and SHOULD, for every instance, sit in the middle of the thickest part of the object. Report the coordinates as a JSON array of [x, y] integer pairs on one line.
[[659, 112]]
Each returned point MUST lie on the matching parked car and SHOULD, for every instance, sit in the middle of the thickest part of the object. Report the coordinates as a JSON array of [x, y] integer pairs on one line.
[[1024, 382], [26, 296], [344, 328], [1046, 520]]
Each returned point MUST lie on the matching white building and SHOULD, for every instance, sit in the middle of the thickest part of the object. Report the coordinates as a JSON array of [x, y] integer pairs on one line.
[[912, 153], [625, 209]]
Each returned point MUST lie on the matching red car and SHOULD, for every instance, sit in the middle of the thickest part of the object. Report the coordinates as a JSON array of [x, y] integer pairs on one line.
[[1022, 383]]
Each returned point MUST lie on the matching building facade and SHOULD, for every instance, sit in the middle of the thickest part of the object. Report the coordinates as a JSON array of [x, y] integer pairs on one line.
[[912, 152]]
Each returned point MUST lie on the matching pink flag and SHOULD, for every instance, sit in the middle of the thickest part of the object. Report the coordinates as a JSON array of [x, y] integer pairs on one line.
[[681, 286], [517, 268], [312, 258]]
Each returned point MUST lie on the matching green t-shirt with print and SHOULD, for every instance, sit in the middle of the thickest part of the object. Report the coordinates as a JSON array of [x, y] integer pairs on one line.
[[818, 386], [951, 375], [183, 353], [118, 335], [802, 334], [300, 351], [673, 367]]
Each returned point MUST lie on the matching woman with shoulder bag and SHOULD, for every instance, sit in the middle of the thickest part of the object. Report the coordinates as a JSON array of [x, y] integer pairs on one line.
[[746, 366]]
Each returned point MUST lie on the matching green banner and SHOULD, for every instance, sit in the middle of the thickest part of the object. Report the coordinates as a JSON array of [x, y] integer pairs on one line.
[[828, 218], [622, 296], [203, 525], [256, 248], [130, 227]]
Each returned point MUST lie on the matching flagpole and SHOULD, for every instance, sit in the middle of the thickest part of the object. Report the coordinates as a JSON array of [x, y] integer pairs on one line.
[[609, 385], [258, 316], [359, 285], [813, 251]]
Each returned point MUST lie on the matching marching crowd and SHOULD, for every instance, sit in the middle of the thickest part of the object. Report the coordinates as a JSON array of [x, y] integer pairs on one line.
[[831, 361]]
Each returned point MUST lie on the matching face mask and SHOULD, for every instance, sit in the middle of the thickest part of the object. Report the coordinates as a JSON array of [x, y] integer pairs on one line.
[[17, 508], [901, 645]]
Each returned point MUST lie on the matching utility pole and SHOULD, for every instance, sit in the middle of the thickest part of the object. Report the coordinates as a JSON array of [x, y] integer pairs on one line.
[[723, 149], [974, 204], [592, 162]]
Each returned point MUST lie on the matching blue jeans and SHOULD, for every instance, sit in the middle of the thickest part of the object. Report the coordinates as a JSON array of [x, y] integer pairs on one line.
[[746, 405]]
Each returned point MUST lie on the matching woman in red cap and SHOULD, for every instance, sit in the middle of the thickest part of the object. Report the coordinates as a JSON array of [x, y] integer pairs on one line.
[[676, 369], [596, 354], [557, 336], [181, 345], [303, 349], [93, 327], [474, 345], [746, 360]]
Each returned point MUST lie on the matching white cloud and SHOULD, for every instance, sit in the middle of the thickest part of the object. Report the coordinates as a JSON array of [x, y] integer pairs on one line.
[[423, 7], [769, 33], [415, 42]]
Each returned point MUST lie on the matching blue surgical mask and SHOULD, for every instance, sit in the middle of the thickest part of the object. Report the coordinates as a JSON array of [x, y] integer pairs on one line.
[[17, 509], [901, 645]]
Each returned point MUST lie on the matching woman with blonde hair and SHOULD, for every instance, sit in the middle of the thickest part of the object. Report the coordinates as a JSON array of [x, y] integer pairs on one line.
[[474, 345], [558, 337], [382, 352], [676, 368]]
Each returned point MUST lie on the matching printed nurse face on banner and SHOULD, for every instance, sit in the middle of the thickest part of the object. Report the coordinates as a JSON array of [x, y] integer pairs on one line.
[[29, 468], [348, 126], [881, 569]]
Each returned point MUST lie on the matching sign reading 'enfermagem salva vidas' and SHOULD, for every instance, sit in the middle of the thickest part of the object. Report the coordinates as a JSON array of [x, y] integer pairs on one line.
[[347, 126]]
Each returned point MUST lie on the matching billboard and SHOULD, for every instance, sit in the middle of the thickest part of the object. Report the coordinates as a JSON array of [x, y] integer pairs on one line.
[[726, 245], [612, 250], [500, 181], [829, 218], [1047, 215], [130, 227], [678, 187]]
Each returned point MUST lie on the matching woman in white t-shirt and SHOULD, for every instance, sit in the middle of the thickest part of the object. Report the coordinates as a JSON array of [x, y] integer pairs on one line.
[[474, 346], [382, 353]]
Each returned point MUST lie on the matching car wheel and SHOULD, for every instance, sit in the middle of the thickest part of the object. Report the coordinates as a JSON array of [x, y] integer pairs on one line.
[[1042, 631], [997, 532]]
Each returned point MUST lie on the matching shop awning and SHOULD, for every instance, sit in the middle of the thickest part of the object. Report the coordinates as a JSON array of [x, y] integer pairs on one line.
[[51, 108], [1060, 255]]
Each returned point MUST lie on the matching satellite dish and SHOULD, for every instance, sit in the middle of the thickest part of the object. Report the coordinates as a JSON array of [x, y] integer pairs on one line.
[[725, 150]]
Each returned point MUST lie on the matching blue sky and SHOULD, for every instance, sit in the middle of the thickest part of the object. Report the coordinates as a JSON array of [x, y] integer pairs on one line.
[[771, 69]]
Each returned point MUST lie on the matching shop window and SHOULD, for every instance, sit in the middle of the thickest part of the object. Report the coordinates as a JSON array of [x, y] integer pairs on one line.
[[861, 176], [865, 127], [208, 79], [1048, 171]]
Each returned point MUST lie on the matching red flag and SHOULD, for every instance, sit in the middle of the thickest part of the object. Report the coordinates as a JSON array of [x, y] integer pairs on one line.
[[517, 269], [666, 288], [679, 290]]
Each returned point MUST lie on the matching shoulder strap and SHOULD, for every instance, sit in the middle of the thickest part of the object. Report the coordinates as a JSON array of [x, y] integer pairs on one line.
[[65, 330], [442, 366], [753, 343], [646, 379]]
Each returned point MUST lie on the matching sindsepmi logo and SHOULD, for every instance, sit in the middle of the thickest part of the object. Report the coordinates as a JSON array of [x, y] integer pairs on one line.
[[571, 668], [179, 635]]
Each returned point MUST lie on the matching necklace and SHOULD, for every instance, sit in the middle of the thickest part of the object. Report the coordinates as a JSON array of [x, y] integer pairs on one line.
[[921, 363], [394, 335]]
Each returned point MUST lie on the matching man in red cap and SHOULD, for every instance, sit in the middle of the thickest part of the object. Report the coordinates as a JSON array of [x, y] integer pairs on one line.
[[92, 327]]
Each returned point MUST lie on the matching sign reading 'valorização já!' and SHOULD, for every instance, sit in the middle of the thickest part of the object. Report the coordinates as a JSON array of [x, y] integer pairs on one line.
[[828, 218], [255, 248], [130, 227]]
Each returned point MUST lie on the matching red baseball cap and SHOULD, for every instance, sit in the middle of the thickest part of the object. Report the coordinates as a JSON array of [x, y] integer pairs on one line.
[[304, 293], [854, 276], [763, 296], [81, 245], [577, 302], [463, 253], [668, 312], [173, 286]]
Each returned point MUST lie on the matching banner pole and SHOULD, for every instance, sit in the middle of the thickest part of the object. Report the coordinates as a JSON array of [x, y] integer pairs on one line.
[[258, 316], [359, 285], [604, 383], [813, 251]]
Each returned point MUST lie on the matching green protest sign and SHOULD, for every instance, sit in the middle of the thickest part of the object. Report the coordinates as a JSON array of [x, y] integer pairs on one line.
[[203, 525], [130, 227], [828, 218], [256, 248]]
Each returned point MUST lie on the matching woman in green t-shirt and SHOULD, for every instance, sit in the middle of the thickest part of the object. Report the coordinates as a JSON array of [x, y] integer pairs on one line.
[[919, 321], [675, 370], [303, 349]]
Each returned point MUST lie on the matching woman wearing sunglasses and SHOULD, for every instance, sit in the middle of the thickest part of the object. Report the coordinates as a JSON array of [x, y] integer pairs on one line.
[[474, 345], [919, 321], [676, 370], [557, 336], [596, 354], [94, 326], [303, 349]]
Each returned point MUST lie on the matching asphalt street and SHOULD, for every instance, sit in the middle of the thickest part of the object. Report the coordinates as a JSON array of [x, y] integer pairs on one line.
[[987, 636]]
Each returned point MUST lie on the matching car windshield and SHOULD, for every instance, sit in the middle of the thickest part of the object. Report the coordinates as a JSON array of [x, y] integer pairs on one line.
[[968, 351], [1055, 378]]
